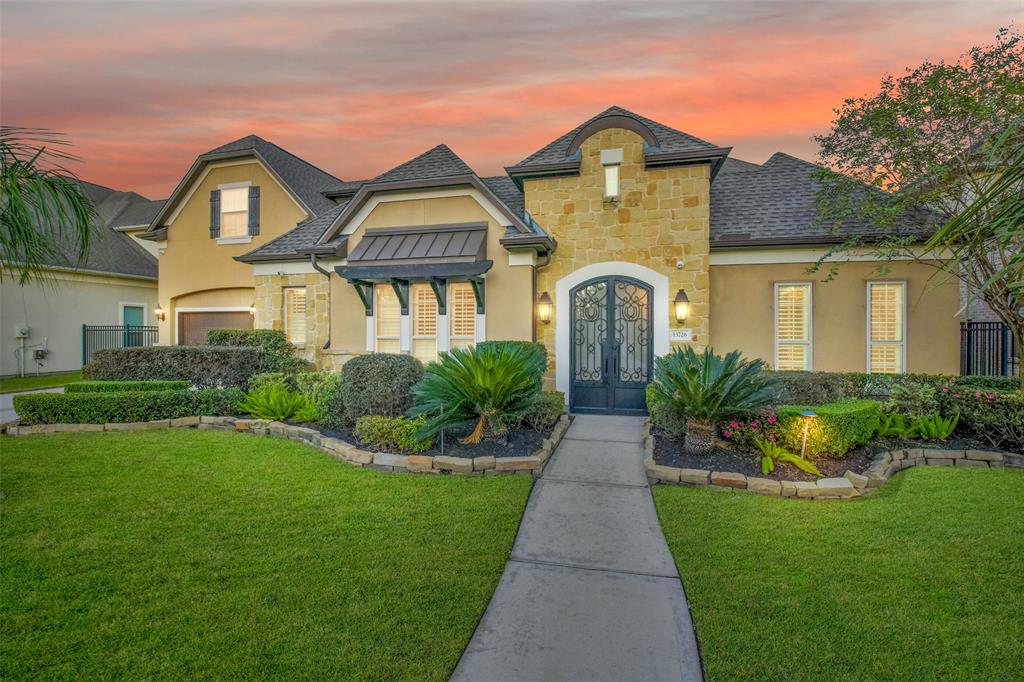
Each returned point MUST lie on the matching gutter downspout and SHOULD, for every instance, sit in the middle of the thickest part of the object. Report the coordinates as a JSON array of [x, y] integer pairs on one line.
[[327, 274]]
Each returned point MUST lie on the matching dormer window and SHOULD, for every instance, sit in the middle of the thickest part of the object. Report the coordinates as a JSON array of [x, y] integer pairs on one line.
[[611, 160]]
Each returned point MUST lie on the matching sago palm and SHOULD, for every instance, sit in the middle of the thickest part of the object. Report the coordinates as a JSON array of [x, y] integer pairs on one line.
[[710, 388], [493, 384]]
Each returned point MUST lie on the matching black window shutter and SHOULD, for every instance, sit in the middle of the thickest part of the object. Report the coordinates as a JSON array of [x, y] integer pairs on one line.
[[254, 211], [215, 214]]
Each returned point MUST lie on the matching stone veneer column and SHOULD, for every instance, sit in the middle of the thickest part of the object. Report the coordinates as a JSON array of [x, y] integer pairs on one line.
[[662, 216], [269, 305]]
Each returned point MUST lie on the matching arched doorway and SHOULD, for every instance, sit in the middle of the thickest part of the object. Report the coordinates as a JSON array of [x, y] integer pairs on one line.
[[611, 345]]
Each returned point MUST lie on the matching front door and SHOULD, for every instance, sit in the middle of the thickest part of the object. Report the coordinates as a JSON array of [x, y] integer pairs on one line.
[[132, 318], [611, 349]]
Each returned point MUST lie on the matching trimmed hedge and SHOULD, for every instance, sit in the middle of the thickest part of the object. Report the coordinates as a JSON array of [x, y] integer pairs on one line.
[[379, 384], [202, 366], [127, 406], [392, 433], [277, 354], [118, 386], [839, 426], [823, 387]]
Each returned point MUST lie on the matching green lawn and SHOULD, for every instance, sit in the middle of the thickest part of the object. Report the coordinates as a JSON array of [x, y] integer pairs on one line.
[[923, 580], [12, 384], [207, 555]]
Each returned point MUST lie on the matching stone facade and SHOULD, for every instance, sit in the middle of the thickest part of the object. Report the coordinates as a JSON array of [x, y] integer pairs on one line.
[[269, 306], [660, 219]]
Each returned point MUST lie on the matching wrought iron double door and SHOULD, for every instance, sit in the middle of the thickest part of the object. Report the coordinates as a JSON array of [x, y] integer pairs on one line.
[[612, 353]]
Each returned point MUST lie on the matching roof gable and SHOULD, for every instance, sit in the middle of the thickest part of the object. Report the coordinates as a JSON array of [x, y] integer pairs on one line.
[[438, 162]]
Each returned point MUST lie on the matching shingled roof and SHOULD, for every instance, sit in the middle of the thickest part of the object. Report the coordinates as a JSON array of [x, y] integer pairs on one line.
[[668, 139], [110, 251], [439, 162], [774, 203]]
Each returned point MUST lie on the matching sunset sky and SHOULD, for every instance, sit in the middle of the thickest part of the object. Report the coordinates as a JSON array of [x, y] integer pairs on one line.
[[142, 88]]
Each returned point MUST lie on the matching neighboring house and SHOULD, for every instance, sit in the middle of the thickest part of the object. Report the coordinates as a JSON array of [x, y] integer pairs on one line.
[[116, 284], [611, 244]]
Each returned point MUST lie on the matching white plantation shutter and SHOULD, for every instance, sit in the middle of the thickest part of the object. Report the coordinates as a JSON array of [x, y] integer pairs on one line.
[[462, 314], [295, 314], [424, 323], [234, 212], [388, 318], [886, 327], [793, 326]]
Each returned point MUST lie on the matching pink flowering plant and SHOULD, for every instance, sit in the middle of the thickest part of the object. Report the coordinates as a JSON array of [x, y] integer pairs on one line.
[[742, 434]]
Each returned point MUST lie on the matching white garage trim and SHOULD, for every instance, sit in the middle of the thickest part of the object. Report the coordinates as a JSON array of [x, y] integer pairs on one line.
[[563, 313]]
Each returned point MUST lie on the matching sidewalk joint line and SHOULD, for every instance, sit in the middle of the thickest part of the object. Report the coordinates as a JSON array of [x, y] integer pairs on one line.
[[581, 567], [557, 479]]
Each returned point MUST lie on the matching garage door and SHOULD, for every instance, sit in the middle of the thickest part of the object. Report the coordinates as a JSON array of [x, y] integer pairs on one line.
[[192, 327]]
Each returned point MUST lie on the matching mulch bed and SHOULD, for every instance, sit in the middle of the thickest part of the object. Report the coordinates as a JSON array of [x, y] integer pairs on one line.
[[672, 453], [517, 443]]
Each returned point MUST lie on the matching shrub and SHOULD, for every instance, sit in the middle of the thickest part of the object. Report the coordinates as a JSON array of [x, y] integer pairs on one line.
[[124, 406], [202, 366], [772, 452], [934, 427], [545, 411], [666, 415], [104, 386], [912, 399], [708, 388], [275, 402], [494, 384], [324, 390], [839, 426], [393, 433], [258, 381], [277, 354], [816, 388], [379, 384], [996, 419]]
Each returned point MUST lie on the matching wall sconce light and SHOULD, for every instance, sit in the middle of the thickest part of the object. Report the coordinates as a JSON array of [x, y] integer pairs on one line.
[[544, 306], [160, 313], [808, 415], [682, 304]]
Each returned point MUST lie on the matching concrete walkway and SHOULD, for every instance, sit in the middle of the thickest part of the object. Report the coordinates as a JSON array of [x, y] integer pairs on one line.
[[591, 591]]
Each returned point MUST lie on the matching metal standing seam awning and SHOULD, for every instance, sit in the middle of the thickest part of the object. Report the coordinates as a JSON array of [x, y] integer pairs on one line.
[[435, 254]]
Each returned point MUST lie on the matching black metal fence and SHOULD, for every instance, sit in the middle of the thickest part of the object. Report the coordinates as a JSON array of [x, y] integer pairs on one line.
[[103, 336], [987, 348]]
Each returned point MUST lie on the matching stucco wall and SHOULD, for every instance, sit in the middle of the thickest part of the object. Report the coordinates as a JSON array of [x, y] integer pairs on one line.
[[660, 218], [192, 262], [57, 312], [742, 311]]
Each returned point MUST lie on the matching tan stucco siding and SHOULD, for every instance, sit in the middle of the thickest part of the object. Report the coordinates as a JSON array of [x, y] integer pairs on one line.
[[56, 312], [508, 289], [193, 262], [743, 314]]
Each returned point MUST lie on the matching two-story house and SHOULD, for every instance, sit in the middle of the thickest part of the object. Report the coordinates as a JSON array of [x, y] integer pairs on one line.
[[611, 244]]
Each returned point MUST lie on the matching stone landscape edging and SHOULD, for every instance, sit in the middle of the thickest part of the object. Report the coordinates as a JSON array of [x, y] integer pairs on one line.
[[849, 486], [335, 447]]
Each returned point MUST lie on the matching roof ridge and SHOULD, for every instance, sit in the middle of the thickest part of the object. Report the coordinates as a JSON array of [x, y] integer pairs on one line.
[[298, 158], [436, 148]]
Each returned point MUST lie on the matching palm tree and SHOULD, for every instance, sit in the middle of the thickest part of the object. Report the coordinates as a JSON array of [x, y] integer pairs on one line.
[[41, 202], [708, 388]]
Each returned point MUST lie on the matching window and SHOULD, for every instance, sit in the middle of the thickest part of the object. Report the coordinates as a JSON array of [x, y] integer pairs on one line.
[[295, 315], [887, 327], [462, 314], [424, 323], [793, 326], [611, 182], [388, 318], [234, 212]]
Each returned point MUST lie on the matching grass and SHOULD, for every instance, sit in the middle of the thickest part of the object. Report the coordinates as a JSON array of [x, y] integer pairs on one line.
[[207, 555], [32, 381], [920, 581]]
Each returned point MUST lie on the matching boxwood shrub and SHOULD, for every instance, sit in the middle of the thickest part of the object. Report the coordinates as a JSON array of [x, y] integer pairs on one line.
[[379, 384], [118, 386], [545, 411], [124, 406], [839, 426], [396, 434], [201, 366], [277, 354], [815, 388]]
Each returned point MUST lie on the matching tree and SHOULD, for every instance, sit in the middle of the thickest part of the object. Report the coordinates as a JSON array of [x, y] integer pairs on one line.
[[41, 203], [920, 154]]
